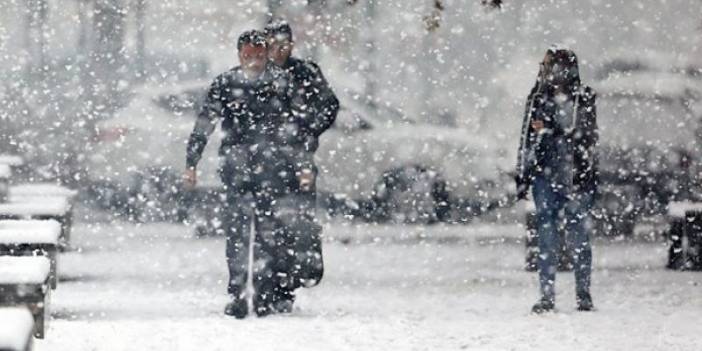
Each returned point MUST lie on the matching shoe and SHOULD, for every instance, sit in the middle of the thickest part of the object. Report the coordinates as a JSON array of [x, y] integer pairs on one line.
[[584, 301], [263, 310], [238, 308], [262, 304], [544, 305]]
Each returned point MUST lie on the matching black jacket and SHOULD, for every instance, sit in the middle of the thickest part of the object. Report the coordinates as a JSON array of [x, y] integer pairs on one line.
[[315, 104], [535, 152], [251, 111]]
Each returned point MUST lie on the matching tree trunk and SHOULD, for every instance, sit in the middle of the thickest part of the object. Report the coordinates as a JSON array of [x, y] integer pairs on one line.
[[369, 38], [318, 9], [36, 16], [273, 9], [140, 39]]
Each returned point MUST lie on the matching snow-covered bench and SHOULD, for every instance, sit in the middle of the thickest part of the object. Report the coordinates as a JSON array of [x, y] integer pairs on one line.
[[685, 219], [42, 208], [11, 160], [5, 175], [682, 208], [31, 238], [35, 190], [17, 329], [24, 281], [13, 163]]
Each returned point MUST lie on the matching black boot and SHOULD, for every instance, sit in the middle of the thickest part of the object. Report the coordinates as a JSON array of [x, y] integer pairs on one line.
[[544, 305], [238, 308], [263, 304], [584, 301]]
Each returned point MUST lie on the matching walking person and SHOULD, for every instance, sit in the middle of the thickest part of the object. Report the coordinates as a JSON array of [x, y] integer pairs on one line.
[[252, 101], [315, 112], [558, 160]]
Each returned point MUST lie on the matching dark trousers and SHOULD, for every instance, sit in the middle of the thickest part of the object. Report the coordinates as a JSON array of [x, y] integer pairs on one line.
[[556, 212], [287, 246]]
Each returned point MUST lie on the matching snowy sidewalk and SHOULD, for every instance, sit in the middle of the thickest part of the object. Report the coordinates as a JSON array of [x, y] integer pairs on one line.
[[154, 287]]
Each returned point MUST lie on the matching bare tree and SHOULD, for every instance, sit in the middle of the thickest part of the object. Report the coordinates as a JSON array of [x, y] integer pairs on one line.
[[370, 45], [318, 10], [140, 17], [273, 9]]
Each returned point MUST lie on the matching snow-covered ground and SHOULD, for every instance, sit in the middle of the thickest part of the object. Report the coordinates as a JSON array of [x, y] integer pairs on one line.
[[154, 287]]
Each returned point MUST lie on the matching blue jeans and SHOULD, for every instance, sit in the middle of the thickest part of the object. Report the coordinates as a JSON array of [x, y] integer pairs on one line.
[[556, 212]]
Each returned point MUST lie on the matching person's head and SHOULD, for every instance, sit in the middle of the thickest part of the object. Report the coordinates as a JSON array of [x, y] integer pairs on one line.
[[280, 41], [252, 52], [560, 68]]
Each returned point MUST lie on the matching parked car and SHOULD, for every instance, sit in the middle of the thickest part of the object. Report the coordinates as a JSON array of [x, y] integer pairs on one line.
[[390, 167], [649, 122], [404, 171], [139, 154]]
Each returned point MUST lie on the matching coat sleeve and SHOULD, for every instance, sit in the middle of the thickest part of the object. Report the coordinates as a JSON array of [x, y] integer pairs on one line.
[[586, 142], [590, 136], [326, 104], [525, 141], [211, 112]]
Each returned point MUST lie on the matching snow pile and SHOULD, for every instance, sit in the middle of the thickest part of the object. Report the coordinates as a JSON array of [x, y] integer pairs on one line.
[[5, 171], [379, 295], [41, 189], [11, 160], [36, 206], [17, 324], [24, 270], [29, 232], [678, 209]]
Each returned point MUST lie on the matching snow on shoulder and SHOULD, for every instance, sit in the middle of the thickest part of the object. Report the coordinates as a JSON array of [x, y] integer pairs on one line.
[[24, 270], [17, 324]]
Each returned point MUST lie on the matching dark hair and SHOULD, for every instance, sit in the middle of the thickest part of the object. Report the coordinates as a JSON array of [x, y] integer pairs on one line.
[[280, 29], [565, 57], [251, 37]]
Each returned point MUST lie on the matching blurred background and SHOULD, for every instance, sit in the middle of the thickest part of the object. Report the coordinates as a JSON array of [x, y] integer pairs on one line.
[[101, 94]]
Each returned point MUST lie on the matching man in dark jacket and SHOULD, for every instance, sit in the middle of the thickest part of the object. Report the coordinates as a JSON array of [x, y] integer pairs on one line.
[[253, 103], [312, 93], [557, 157], [315, 112]]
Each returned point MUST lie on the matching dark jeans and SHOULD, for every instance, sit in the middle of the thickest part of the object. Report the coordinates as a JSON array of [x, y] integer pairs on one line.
[[252, 190], [282, 219], [556, 212]]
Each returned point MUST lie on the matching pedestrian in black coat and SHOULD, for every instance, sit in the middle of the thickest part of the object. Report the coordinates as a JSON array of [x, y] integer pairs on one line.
[[253, 103], [558, 161]]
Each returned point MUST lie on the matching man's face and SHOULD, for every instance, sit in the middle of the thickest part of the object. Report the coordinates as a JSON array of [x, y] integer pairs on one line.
[[279, 50], [253, 58]]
